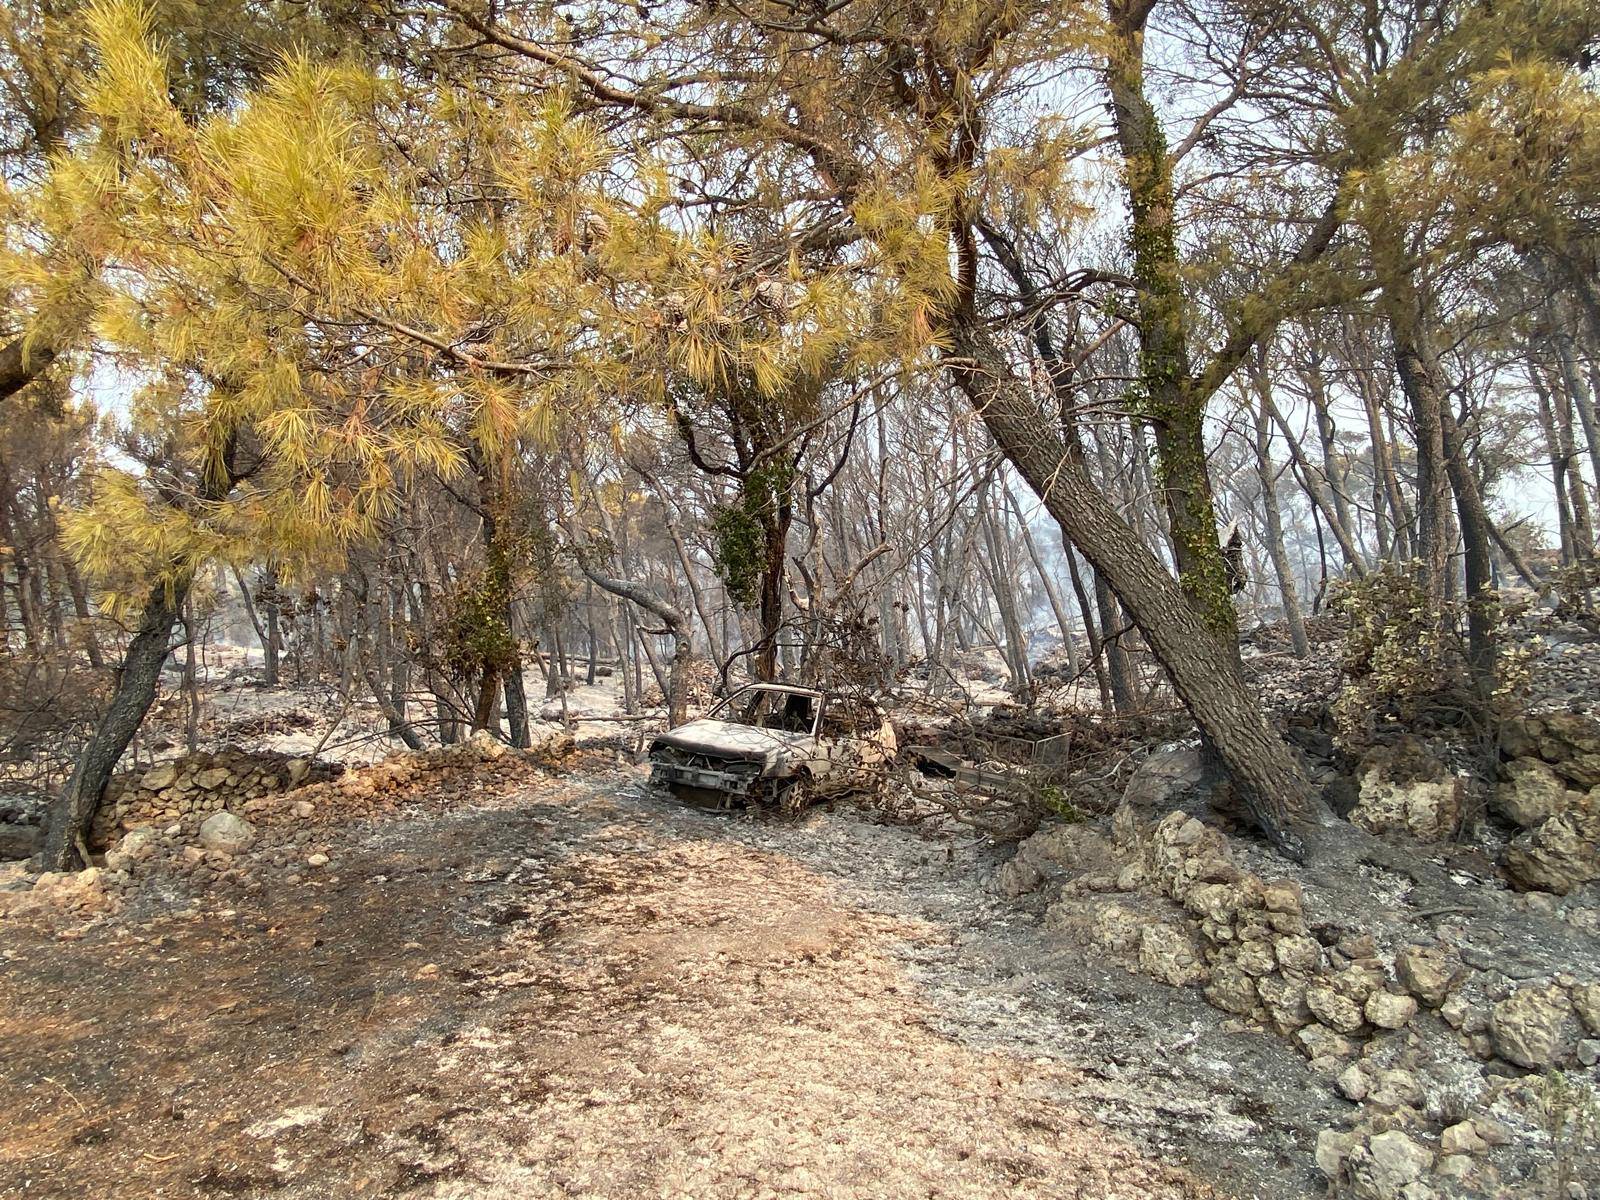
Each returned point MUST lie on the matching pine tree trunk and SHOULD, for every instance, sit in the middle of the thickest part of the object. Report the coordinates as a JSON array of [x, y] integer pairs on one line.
[[191, 678], [137, 680], [775, 542], [1200, 660], [1119, 663], [1416, 365], [1582, 516], [1383, 467]]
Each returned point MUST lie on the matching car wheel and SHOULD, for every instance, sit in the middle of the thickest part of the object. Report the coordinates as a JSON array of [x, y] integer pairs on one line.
[[792, 795]]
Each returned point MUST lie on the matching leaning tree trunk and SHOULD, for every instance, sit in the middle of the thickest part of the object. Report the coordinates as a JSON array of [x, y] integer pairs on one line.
[[1201, 663], [74, 813], [677, 624], [135, 691]]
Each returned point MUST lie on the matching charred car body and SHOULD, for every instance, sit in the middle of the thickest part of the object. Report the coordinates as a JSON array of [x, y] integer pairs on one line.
[[775, 743]]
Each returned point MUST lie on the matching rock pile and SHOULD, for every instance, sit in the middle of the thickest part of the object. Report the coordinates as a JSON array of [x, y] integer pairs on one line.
[[1551, 791], [229, 780], [1443, 1053], [260, 828], [1403, 789]]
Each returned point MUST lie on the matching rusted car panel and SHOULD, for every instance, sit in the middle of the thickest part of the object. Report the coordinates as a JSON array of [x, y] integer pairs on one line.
[[775, 743]]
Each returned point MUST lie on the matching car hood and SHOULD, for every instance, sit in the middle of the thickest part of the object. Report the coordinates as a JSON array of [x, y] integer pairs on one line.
[[728, 740]]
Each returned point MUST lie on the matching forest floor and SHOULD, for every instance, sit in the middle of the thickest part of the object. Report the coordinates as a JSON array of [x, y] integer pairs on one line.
[[560, 984]]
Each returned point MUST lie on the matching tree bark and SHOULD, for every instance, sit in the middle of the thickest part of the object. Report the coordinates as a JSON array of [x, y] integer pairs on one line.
[[1476, 540], [1558, 471], [1200, 661], [135, 691], [20, 366], [1417, 367], [1175, 413]]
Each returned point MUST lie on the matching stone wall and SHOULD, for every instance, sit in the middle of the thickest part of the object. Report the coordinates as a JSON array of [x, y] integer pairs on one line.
[[1550, 790], [1447, 1026], [191, 788]]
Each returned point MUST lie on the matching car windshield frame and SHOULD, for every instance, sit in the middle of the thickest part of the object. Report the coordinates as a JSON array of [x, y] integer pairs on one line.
[[728, 707]]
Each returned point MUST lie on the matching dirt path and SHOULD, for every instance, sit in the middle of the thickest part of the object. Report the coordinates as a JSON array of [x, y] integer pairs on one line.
[[579, 989]]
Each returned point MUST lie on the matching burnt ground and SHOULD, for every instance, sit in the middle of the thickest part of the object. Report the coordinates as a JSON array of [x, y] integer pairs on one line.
[[577, 988]]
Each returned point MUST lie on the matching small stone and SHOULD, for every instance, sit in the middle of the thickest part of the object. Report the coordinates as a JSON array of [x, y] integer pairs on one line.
[[1360, 945], [1334, 1009], [430, 971], [317, 860], [1333, 1148], [1169, 954], [1216, 901], [226, 833], [1453, 1166], [1534, 1027], [1231, 990], [1399, 1160], [303, 809], [1424, 972], [1460, 1013], [1318, 1041], [1555, 857], [1389, 1011], [1282, 896], [193, 855], [1402, 789], [1395, 1089], [1130, 877], [212, 779], [1589, 1052], [1532, 793], [1285, 999], [1461, 1138], [1287, 923], [1300, 955], [1586, 1000], [1353, 1083], [157, 778], [1256, 958], [135, 845], [1492, 1131], [1015, 878]]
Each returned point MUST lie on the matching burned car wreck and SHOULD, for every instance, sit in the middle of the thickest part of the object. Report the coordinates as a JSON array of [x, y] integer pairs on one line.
[[777, 744]]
